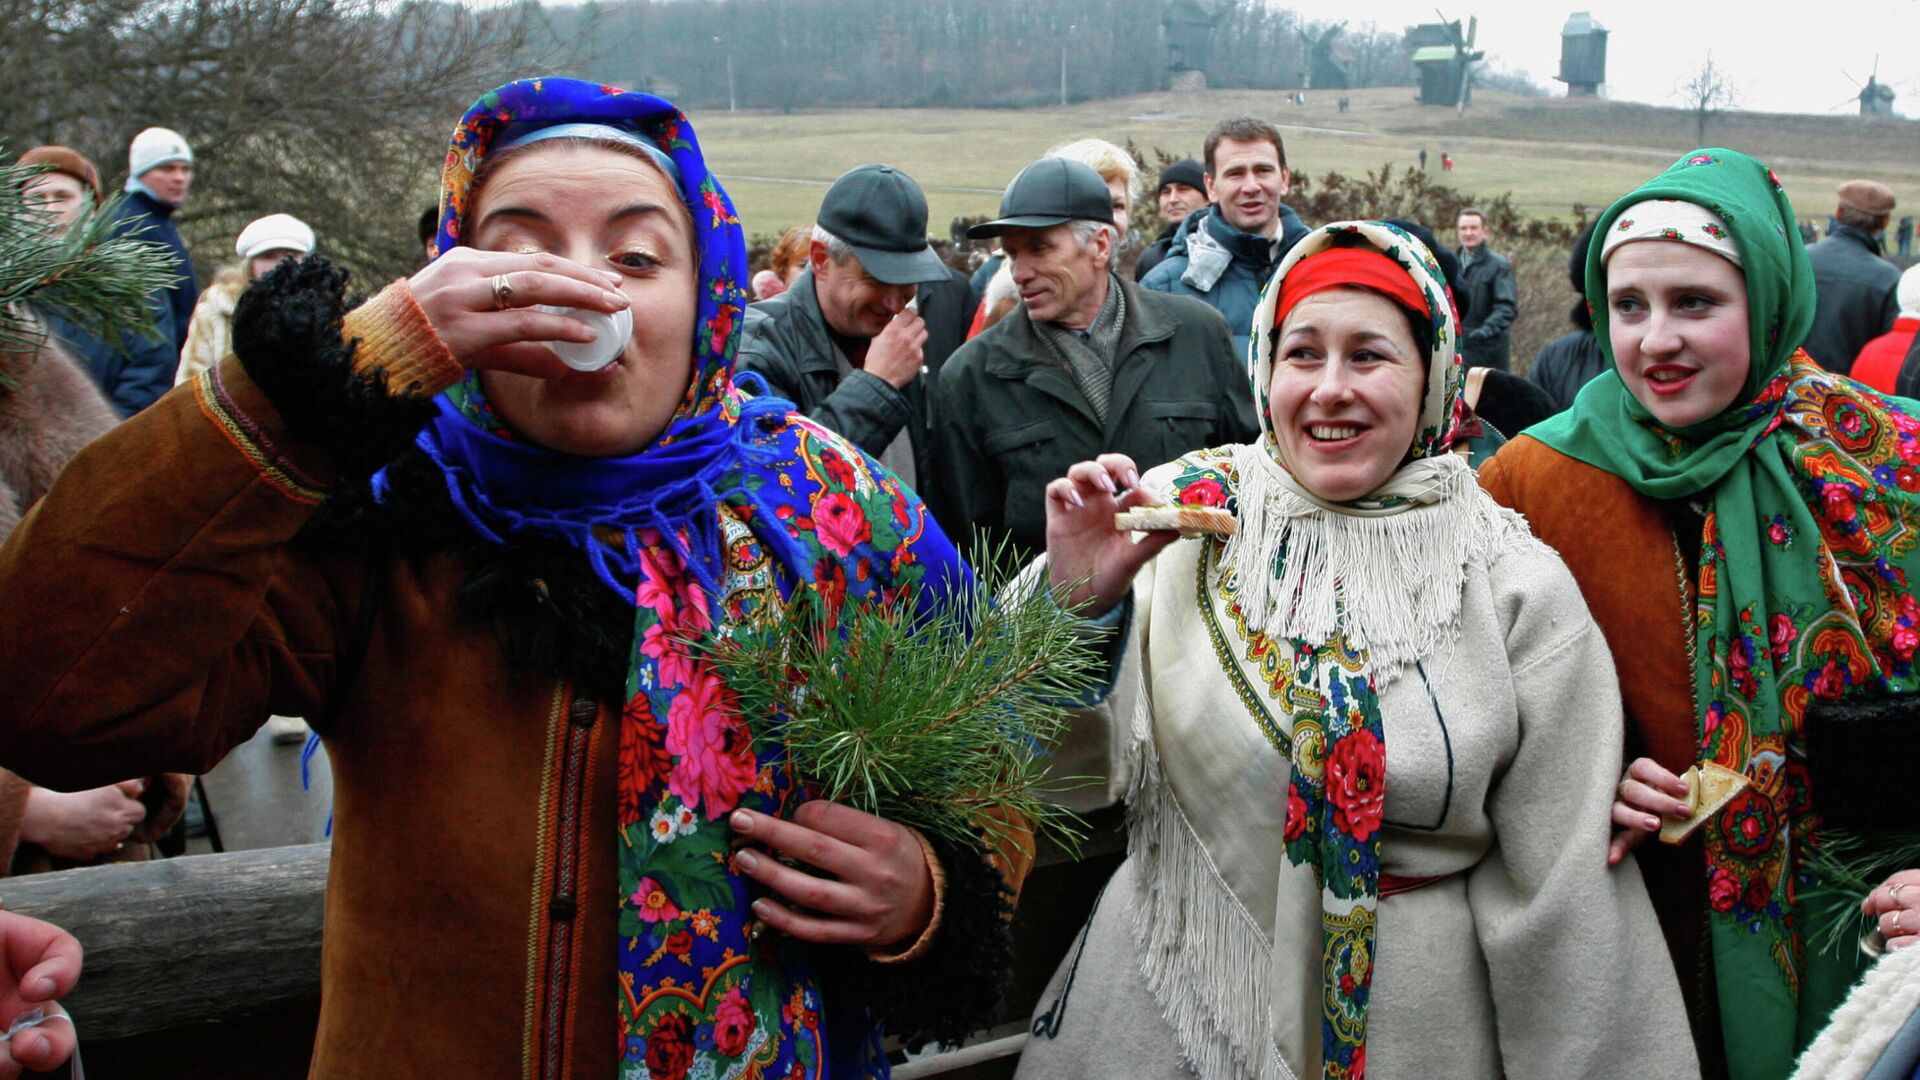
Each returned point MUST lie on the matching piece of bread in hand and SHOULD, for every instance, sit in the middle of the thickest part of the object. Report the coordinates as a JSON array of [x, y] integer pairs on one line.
[[1709, 788], [1185, 520]]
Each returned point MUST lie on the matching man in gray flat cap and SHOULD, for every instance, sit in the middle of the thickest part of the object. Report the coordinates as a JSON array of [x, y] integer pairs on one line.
[[847, 342], [1856, 284], [1088, 363]]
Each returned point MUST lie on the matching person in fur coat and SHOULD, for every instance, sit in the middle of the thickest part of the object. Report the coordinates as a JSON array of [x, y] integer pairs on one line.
[[49, 409]]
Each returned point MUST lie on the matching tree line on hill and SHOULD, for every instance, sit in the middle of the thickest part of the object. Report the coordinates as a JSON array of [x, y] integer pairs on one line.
[[937, 53]]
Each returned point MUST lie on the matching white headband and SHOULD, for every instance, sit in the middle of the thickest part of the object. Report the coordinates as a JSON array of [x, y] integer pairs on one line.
[[1671, 219]]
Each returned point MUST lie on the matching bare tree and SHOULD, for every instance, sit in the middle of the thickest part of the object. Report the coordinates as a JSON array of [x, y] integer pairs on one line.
[[335, 111], [1706, 94]]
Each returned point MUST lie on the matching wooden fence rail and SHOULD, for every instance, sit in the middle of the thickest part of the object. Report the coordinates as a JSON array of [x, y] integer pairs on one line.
[[218, 957]]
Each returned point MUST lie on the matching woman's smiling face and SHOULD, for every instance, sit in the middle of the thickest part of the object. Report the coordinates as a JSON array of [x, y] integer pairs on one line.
[[1347, 386], [608, 210], [1677, 318]]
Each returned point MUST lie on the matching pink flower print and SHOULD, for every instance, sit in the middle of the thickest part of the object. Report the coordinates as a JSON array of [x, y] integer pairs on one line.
[[1905, 640], [1722, 891], [651, 902], [1784, 635], [662, 644], [840, 523], [713, 751], [733, 1024]]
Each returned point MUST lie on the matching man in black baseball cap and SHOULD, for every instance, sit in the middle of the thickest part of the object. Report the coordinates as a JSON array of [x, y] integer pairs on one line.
[[1088, 364], [852, 340], [1183, 189]]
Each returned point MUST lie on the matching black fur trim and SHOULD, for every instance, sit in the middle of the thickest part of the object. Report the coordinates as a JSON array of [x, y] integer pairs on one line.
[[957, 988], [550, 612], [286, 331]]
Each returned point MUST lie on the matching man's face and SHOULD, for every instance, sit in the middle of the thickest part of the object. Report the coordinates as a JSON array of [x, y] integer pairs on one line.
[[1248, 182], [1473, 231], [59, 196], [170, 182], [1059, 280], [853, 303], [1177, 200]]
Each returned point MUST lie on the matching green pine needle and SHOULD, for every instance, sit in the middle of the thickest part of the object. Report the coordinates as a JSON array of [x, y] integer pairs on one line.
[[1844, 869], [94, 276], [943, 723]]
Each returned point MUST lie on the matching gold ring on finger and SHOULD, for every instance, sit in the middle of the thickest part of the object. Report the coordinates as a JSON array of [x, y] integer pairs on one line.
[[1893, 891], [1896, 931], [502, 293]]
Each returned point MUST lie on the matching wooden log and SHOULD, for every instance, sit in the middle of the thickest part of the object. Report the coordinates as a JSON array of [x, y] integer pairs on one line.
[[180, 941]]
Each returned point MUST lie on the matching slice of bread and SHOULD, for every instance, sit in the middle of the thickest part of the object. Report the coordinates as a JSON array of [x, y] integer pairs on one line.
[[1185, 520], [1709, 788]]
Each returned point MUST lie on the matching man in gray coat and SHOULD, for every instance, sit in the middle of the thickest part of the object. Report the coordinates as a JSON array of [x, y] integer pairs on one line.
[[1492, 301], [847, 342], [1855, 284], [1088, 364]]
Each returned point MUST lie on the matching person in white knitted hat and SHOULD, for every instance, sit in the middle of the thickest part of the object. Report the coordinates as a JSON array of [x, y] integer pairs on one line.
[[159, 175], [264, 244]]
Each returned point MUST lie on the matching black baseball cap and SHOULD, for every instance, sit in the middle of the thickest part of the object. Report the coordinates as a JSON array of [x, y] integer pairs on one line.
[[1185, 171], [1051, 191], [882, 215]]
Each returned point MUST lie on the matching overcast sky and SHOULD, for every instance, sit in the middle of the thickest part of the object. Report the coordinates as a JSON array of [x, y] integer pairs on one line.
[[1782, 57]]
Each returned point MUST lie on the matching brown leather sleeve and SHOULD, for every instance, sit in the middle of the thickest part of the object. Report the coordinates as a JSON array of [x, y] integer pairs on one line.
[[157, 610]]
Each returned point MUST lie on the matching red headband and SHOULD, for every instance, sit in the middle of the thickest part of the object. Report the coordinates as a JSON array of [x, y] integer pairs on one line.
[[1349, 268]]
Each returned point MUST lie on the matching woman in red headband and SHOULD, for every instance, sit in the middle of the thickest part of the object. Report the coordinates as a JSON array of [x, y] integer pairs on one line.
[[1344, 738]]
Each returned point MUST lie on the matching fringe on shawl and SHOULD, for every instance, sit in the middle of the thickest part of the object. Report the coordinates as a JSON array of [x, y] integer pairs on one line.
[[1391, 582], [1201, 951]]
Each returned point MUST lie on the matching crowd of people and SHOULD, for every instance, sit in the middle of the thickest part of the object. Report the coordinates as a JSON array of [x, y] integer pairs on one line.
[[1659, 585]]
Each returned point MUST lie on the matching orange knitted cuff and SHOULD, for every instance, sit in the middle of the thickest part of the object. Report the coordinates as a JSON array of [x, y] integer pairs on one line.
[[393, 334], [924, 942]]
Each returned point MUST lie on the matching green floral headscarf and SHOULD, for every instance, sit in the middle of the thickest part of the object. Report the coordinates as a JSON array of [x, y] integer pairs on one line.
[[1804, 592]]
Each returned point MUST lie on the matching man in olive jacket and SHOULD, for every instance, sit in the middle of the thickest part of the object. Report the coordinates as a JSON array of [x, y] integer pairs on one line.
[[855, 341], [1088, 364]]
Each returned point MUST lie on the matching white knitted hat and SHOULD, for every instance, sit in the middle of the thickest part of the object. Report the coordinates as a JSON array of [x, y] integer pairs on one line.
[[275, 232], [155, 147], [1908, 292]]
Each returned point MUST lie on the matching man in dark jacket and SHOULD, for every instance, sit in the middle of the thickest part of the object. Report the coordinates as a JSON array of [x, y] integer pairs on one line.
[[1855, 284], [1183, 189], [847, 343], [1088, 364], [1569, 361], [1492, 298], [1225, 253], [159, 175]]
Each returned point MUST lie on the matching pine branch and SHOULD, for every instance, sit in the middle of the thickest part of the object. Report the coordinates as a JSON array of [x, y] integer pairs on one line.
[[939, 722], [96, 276], [1844, 868]]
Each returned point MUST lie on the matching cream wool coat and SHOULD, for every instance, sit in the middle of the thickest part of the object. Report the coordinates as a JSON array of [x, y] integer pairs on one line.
[[1530, 959]]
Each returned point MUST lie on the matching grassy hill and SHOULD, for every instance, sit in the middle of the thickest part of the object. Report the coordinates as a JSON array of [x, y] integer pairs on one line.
[[1549, 153]]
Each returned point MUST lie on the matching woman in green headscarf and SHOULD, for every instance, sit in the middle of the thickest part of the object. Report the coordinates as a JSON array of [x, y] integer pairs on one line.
[[1742, 524]]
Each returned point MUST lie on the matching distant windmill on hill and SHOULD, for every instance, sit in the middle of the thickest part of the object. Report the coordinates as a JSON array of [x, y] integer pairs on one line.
[[1445, 58], [1875, 97], [1330, 59]]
